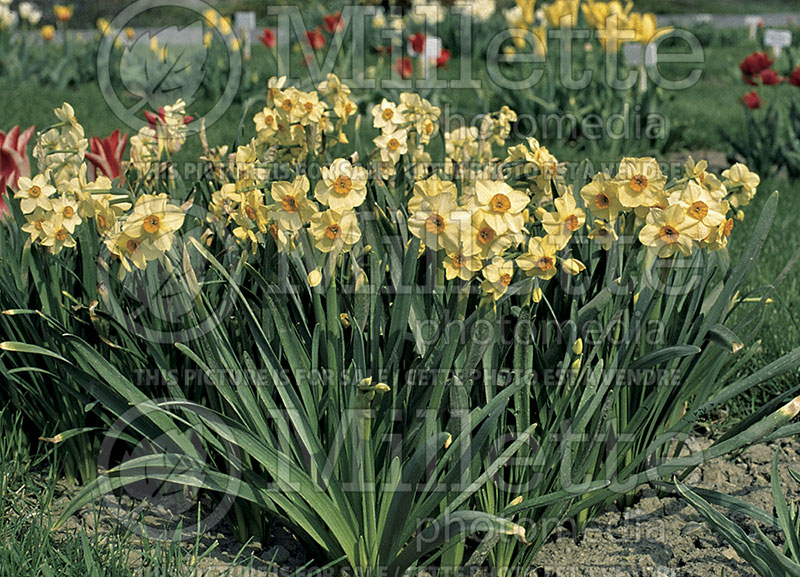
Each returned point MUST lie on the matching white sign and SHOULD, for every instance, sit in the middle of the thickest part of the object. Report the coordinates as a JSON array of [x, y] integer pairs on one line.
[[752, 25], [245, 25], [245, 21], [778, 40]]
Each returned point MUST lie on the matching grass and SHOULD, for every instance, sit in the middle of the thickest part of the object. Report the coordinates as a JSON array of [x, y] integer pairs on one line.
[[712, 6], [29, 502]]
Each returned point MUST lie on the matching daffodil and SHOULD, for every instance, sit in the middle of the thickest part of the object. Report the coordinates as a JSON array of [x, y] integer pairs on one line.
[[488, 241], [343, 186], [34, 225], [563, 223], [702, 210], [463, 263], [604, 234], [67, 208], [334, 231], [640, 182], [34, 193], [386, 116], [439, 222], [667, 231], [573, 266], [392, 145], [600, 197], [497, 277], [501, 205], [292, 209], [311, 109], [155, 220], [540, 258], [55, 234], [741, 183], [428, 188]]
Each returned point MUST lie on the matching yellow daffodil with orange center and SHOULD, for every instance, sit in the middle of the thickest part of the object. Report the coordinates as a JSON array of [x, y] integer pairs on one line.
[[667, 231], [55, 234], [540, 258], [563, 223], [68, 210], [463, 263], [34, 225], [429, 188], [155, 219], [63, 13], [334, 231], [501, 205], [343, 186], [604, 234], [702, 210], [741, 183], [498, 276], [292, 210], [34, 193], [600, 197], [392, 145], [387, 116], [440, 223], [640, 182]]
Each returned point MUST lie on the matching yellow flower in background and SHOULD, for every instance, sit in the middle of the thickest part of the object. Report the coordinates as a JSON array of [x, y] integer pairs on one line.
[[501, 205], [497, 277], [640, 182], [154, 220], [440, 223], [292, 209], [667, 231], [562, 224], [103, 25], [208, 38], [63, 13], [334, 231], [343, 186], [34, 193], [741, 183], [600, 197], [540, 258], [527, 10], [225, 26], [562, 13], [604, 234], [211, 17], [48, 32], [130, 33]]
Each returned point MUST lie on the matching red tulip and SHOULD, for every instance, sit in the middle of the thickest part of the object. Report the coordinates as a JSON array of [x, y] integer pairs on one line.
[[315, 39], [404, 67], [770, 78], [384, 49], [754, 64], [417, 42], [106, 156], [13, 161], [794, 77], [752, 100], [268, 38], [443, 59], [333, 22], [155, 119]]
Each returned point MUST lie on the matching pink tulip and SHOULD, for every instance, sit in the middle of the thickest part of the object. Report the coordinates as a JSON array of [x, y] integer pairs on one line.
[[13, 161], [106, 156]]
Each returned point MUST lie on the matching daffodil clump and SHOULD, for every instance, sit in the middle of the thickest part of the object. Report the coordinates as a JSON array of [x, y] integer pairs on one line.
[[615, 23], [61, 199], [483, 218]]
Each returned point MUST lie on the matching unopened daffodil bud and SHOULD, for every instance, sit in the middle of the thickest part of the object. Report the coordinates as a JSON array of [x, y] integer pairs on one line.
[[314, 278], [573, 266], [536, 296], [577, 347]]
